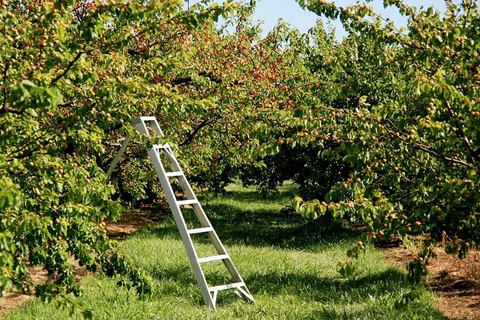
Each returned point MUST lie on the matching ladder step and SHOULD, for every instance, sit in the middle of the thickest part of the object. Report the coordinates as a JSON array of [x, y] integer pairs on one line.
[[214, 258], [174, 174], [200, 230], [144, 118], [162, 146], [227, 286], [187, 202]]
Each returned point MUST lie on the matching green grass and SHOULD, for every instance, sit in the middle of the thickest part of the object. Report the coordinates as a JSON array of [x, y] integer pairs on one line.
[[287, 262]]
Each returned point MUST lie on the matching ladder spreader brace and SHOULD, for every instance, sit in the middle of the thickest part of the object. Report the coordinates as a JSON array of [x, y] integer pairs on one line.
[[209, 294]]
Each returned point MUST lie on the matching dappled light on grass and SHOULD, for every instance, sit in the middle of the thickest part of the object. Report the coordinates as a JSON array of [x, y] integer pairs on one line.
[[287, 262]]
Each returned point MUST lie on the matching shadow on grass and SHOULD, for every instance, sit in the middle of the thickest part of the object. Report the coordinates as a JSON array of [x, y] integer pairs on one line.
[[376, 289], [236, 222], [237, 225], [261, 228], [326, 289], [270, 228]]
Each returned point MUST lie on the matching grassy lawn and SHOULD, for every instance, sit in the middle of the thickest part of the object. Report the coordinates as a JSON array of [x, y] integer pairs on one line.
[[287, 262]]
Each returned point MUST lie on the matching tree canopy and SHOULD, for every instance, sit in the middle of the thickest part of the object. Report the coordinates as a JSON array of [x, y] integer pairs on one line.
[[406, 120], [72, 73]]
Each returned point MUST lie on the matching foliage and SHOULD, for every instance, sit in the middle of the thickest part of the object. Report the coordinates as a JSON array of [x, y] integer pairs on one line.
[[411, 136], [314, 174], [72, 72]]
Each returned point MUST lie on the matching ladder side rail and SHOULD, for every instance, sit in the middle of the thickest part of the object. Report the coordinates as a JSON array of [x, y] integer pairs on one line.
[[182, 228], [117, 158], [187, 189], [202, 217], [172, 161], [233, 271], [217, 244], [245, 294]]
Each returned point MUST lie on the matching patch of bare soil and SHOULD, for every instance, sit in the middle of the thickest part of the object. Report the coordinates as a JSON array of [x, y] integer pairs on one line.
[[13, 299], [131, 221], [455, 281], [134, 219]]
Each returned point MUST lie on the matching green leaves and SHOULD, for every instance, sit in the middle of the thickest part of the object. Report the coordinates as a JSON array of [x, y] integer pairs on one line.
[[381, 128], [72, 74], [311, 210], [405, 121], [28, 96], [7, 251], [346, 269], [10, 194]]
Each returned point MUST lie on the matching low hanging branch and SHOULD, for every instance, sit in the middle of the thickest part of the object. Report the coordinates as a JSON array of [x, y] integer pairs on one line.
[[189, 80], [70, 65], [191, 135], [460, 132]]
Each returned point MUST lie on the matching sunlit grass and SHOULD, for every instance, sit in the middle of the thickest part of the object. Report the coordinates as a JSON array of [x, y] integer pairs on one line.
[[287, 262]]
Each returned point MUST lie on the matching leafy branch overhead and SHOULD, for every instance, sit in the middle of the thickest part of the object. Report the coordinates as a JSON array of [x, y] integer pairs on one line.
[[69, 80]]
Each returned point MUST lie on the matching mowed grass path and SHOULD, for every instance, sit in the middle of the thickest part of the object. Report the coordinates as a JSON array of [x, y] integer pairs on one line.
[[287, 262]]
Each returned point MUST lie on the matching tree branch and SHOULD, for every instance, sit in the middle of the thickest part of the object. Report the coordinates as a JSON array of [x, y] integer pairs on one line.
[[189, 80], [439, 155], [5, 70], [224, 144], [425, 148], [70, 65], [24, 155], [460, 133], [4, 110], [191, 135]]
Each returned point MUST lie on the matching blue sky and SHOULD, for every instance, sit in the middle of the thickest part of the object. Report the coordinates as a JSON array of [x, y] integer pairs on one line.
[[289, 10], [270, 11]]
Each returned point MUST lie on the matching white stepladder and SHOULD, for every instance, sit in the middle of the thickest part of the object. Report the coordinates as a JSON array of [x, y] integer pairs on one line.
[[170, 169]]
